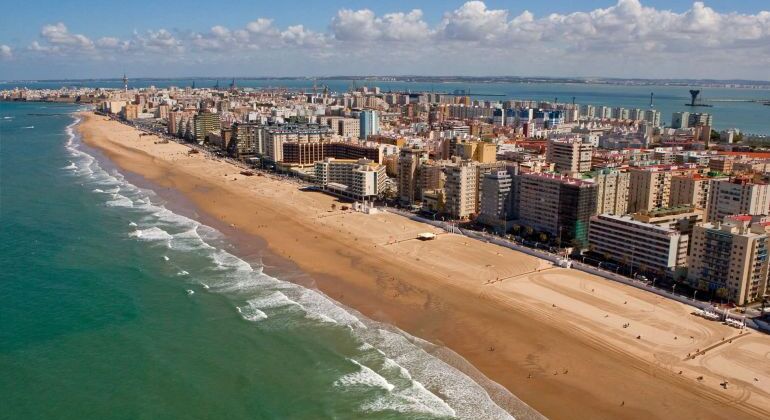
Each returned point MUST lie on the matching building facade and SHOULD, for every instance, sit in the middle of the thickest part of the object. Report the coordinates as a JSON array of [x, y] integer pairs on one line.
[[645, 247], [557, 205], [729, 259], [737, 196]]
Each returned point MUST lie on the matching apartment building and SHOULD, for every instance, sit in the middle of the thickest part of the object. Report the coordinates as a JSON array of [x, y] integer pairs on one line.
[[722, 164], [359, 179], [246, 140], [479, 151], [349, 127], [650, 187], [737, 196], [558, 205], [409, 160], [570, 156], [611, 191], [645, 247], [691, 190], [461, 189], [729, 259], [205, 123], [497, 195]]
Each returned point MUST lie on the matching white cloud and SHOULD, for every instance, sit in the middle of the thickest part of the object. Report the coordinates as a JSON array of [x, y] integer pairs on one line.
[[365, 26], [474, 22], [626, 39], [58, 35], [6, 53]]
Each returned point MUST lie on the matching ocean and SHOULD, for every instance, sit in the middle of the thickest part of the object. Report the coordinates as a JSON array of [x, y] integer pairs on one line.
[[731, 107], [115, 305]]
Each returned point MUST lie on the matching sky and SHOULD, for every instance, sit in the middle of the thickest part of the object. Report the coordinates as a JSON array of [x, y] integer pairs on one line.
[[720, 39]]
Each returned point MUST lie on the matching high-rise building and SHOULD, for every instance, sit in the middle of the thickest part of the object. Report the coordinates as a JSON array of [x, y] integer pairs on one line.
[[722, 164], [570, 156], [483, 152], [691, 189], [461, 189], [349, 128], [246, 141], [130, 112], [737, 196], [359, 179], [369, 123], [557, 205], [730, 259], [653, 117], [205, 123], [497, 195], [643, 246], [680, 119], [700, 119], [650, 187], [409, 160], [611, 192]]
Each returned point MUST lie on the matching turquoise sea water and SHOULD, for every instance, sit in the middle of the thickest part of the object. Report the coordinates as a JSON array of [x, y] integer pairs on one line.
[[112, 306], [749, 117]]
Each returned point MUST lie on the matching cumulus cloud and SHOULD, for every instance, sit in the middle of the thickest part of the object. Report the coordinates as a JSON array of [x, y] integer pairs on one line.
[[600, 41], [58, 35], [365, 26], [6, 53]]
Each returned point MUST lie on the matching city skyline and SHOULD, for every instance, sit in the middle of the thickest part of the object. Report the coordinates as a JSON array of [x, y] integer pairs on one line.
[[627, 39]]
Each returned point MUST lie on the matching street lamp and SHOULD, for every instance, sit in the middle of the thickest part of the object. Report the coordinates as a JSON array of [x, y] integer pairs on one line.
[[694, 292]]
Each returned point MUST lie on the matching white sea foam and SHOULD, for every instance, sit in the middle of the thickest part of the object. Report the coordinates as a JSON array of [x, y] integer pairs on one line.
[[272, 300], [364, 376], [317, 303], [132, 224], [119, 200], [182, 273], [151, 234], [390, 364], [71, 166], [189, 240], [251, 313], [227, 261], [97, 190]]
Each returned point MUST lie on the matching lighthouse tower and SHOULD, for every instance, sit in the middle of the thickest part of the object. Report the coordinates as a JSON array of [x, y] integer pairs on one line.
[[125, 83]]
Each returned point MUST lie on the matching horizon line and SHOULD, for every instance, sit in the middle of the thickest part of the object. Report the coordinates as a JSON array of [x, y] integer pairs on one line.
[[343, 76]]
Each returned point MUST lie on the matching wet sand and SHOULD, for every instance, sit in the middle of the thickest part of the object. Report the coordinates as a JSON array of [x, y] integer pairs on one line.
[[554, 337]]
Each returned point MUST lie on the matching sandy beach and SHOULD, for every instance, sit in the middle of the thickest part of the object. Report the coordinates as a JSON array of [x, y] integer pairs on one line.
[[569, 344]]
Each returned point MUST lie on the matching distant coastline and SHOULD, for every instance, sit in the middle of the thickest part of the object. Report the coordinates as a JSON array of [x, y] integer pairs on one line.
[[680, 82]]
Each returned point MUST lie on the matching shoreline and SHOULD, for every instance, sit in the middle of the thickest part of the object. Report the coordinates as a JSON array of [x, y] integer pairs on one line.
[[254, 250], [436, 291]]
